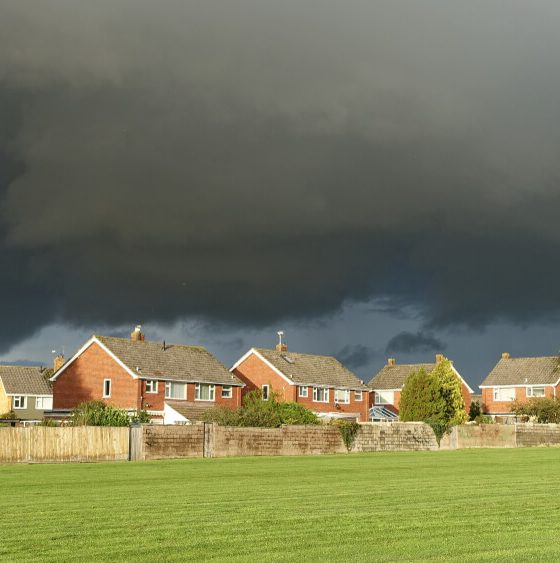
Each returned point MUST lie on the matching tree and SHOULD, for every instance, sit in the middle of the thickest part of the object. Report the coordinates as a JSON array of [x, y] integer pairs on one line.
[[434, 398], [544, 410], [475, 410], [97, 413]]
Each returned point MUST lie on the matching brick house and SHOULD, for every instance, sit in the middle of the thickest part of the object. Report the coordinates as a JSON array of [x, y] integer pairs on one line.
[[320, 383], [519, 379], [387, 384], [172, 382], [25, 391]]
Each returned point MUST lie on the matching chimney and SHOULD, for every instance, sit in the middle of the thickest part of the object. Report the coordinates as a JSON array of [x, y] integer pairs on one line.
[[505, 355], [439, 358], [58, 362], [281, 347], [391, 361], [137, 335]]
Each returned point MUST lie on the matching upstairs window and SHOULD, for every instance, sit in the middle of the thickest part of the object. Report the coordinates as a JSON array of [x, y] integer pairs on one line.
[[175, 390], [106, 388], [303, 391], [265, 392], [151, 386], [204, 392], [342, 396], [227, 392], [384, 397], [320, 395], [357, 395], [504, 393], [43, 403], [20, 402]]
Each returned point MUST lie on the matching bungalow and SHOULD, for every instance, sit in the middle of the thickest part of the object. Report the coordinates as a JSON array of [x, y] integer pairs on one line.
[[519, 379], [320, 383], [172, 382], [387, 384], [25, 391]]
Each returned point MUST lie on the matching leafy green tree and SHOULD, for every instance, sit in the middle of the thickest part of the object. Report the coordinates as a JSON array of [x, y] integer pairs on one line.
[[434, 398], [98, 413], [542, 409]]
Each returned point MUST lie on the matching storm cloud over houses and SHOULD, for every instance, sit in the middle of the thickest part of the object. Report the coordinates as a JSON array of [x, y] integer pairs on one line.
[[248, 162]]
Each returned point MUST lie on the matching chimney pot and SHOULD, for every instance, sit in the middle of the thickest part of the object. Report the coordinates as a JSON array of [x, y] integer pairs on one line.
[[439, 358], [391, 361], [505, 355], [281, 346]]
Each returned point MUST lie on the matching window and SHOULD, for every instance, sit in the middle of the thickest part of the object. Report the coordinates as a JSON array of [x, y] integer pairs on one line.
[[20, 402], [357, 395], [43, 403], [265, 392], [303, 391], [204, 392], [175, 390], [106, 388], [342, 396], [384, 397], [151, 386], [320, 395], [227, 392], [535, 391], [504, 393]]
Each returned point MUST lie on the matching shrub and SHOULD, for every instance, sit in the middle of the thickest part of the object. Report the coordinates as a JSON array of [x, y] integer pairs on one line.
[[10, 415], [542, 409], [97, 413], [349, 430], [223, 416], [142, 417], [434, 398], [49, 422], [475, 410]]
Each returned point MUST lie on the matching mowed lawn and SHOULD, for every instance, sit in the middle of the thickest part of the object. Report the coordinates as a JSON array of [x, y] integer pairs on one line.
[[467, 505]]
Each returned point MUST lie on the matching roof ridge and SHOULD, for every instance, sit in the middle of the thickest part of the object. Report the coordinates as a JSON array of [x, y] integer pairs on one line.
[[300, 353], [167, 344]]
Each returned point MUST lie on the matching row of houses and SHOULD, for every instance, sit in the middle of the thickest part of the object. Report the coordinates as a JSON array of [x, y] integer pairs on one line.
[[176, 383]]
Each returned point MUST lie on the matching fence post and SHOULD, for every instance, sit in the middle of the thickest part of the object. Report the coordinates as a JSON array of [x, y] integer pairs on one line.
[[208, 441], [135, 442]]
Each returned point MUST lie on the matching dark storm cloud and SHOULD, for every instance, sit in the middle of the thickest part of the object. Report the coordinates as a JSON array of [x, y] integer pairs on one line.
[[411, 342], [247, 162], [356, 356]]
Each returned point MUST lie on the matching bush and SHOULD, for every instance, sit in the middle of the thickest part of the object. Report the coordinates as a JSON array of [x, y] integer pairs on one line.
[[97, 413], [258, 413], [434, 398], [475, 410], [141, 417], [49, 422], [349, 430], [542, 409], [10, 415]]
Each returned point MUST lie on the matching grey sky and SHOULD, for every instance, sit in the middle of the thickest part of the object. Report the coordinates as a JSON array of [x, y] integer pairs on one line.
[[250, 164]]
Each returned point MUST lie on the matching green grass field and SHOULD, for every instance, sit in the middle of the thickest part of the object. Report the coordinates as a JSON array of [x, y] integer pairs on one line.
[[469, 505]]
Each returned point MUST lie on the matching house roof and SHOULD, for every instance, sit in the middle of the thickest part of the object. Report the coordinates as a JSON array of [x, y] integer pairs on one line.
[[544, 370], [192, 411], [24, 380], [310, 369], [394, 376], [177, 362]]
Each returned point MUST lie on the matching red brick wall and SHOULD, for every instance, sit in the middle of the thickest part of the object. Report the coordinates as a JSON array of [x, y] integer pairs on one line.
[[83, 381], [494, 407], [255, 373]]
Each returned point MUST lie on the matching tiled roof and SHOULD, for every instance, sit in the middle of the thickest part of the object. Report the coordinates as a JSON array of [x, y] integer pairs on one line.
[[525, 371], [192, 411], [177, 362], [394, 376], [309, 369], [24, 380]]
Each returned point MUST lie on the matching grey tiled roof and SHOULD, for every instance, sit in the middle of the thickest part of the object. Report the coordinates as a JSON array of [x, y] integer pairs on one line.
[[177, 362], [525, 371], [393, 377], [24, 380], [192, 411], [309, 369]]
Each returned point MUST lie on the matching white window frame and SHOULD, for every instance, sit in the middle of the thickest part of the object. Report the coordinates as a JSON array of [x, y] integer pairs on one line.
[[21, 401], [380, 400], [151, 386], [530, 391], [211, 392], [496, 394], [39, 403], [303, 391], [107, 394], [227, 391], [168, 387], [265, 391], [320, 390], [342, 396], [358, 395]]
